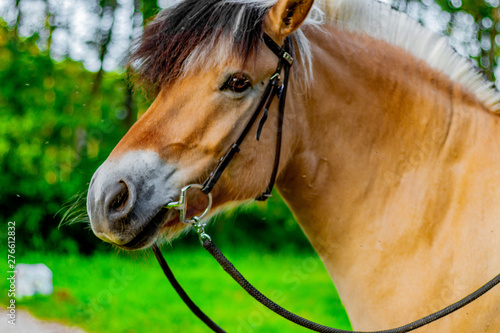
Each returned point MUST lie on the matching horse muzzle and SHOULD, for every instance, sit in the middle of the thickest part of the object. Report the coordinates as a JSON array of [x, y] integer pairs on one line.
[[126, 199]]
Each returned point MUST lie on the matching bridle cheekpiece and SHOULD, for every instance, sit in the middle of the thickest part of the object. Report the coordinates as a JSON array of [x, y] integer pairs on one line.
[[277, 87]]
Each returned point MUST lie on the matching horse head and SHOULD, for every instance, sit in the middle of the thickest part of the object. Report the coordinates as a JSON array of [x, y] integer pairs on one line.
[[209, 77]]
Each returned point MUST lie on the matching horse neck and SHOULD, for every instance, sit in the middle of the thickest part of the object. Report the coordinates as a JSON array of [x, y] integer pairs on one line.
[[377, 138]]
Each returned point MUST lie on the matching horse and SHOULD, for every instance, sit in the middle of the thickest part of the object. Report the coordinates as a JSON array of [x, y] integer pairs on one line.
[[389, 157]]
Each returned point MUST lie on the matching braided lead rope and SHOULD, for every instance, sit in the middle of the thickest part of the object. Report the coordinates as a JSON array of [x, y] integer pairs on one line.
[[252, 291], [182, 294], [238, 277]]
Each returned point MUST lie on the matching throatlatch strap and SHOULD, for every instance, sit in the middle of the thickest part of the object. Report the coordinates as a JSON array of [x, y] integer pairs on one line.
[[279, 133]]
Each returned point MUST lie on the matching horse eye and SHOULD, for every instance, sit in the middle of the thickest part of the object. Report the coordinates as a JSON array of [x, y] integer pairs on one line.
[[237, 83]]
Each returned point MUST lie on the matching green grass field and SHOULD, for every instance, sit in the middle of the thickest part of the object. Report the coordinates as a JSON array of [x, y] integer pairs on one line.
[[126, 292]]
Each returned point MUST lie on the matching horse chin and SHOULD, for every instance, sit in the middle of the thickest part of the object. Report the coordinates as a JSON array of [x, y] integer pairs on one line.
[[151, 231], [173, 229]]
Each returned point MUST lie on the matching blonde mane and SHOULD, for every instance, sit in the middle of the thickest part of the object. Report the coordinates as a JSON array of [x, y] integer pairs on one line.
[[378, 20], [370, 17]]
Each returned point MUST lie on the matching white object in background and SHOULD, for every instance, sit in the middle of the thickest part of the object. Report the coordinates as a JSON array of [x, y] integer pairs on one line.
[[33, 279]]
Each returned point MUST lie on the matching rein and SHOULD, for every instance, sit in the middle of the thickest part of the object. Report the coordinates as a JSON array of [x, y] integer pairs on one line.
[[275, 88]]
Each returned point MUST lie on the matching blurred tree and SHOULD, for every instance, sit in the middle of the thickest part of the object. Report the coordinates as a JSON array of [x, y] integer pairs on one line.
[[59, 121], [107, 20], [149, 9], [53, 132], [473, 26]]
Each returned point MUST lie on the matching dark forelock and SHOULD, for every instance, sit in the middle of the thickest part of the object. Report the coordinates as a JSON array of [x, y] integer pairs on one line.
[[172, 36]]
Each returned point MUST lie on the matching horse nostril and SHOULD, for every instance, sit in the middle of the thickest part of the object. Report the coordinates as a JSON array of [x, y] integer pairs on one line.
[[120, 201]]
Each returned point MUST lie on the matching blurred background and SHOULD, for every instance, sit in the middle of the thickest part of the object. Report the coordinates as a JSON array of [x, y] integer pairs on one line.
[[65, 102]]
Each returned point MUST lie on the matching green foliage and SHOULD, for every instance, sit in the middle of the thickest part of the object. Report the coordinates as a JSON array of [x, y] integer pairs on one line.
[[484, 15], [130, 295], [53, 134], [479, 9], [149, 9]]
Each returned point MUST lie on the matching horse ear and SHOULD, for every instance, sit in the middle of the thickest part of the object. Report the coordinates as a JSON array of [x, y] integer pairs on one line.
[[286, 16]]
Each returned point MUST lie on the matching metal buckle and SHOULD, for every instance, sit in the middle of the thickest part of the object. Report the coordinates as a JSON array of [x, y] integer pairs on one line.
[[182, 205], [275, 76], [288, 58], [199, 227]]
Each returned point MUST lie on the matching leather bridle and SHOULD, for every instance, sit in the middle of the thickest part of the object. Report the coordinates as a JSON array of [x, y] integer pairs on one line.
[[275, 88]]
